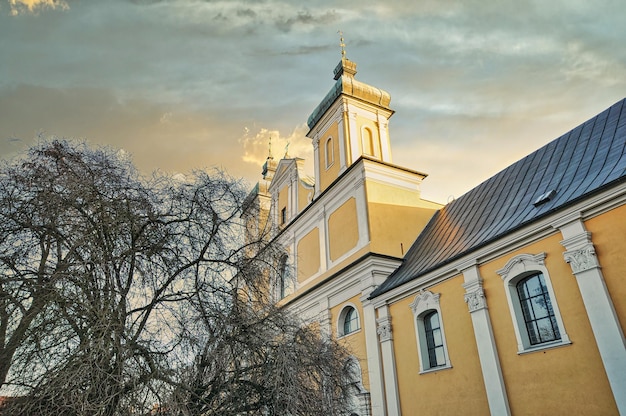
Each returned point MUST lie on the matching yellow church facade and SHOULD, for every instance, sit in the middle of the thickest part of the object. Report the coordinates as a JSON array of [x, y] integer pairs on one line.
[[508, 300]]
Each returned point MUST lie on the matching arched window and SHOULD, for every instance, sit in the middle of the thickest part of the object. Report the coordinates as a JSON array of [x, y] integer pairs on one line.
[[431, 339], [348, 321], [434, 340], [329, 152], [536, 318], [537, 310]]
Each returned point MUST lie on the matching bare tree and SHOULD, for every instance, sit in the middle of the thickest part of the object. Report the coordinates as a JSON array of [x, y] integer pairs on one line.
[[119, 293], [261, 361]]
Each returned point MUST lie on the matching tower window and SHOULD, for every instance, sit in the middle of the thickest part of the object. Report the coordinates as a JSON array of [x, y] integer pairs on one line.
[[329, 152], [283, 215]]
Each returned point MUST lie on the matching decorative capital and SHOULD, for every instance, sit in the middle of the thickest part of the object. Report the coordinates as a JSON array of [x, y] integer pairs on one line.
[[476, 300], [582, 259], [383, 328]]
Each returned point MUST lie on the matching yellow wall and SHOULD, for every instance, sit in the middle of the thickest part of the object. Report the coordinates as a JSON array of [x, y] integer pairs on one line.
[[308, 255], [355, 342], [343, 230], [608, 233], [305, 194], [564, 380], [328, 175], [458, 390], [396, 216]]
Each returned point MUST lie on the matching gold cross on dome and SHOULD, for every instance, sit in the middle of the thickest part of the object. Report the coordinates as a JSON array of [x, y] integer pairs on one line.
[[342, 44]]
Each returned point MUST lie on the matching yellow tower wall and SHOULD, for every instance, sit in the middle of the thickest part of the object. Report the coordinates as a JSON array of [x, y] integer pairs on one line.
[[308, 255], [396, 217], [343, 229], [305, 195]]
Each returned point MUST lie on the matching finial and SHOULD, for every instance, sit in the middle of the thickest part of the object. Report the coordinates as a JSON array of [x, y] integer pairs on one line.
[[286, 151], [269, 153], [342, 44]]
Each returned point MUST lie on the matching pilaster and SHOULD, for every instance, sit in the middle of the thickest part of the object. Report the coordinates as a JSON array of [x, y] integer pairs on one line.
[[383, 329], [316, 164], [374, 363], [581, 256], [485, 342]]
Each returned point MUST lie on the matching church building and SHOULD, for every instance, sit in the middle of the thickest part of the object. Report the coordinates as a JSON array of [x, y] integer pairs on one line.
[[508, 300]]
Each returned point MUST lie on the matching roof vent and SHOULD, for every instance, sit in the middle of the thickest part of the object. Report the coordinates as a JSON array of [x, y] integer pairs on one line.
[[543, 198]]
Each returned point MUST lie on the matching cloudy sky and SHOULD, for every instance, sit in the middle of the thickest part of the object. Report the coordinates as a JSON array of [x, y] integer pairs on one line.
[[187, 84]]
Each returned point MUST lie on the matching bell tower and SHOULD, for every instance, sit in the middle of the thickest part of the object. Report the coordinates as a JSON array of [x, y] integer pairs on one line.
[[351, 122]]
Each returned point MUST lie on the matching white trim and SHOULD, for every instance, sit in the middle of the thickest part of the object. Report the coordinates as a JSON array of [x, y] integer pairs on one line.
[[383, 329], [374, 360], [424, 303], [605, 325], [485, 342], [517, 268]]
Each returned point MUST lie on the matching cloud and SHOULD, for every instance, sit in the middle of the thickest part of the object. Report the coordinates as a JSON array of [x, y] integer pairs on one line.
[[304, 18], [33, 6], [257, 146]]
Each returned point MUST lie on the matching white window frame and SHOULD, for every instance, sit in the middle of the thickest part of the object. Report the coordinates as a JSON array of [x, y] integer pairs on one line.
[[516, 269], [341, 319], [424, 303]]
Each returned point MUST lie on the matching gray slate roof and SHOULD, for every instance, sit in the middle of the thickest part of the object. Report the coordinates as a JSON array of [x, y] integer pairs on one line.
[[582, 162]]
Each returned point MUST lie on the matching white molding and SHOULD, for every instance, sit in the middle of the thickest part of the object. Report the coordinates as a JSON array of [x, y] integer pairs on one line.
[[517, 268]]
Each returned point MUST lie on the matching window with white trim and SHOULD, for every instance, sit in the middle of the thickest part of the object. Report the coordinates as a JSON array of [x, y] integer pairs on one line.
[[534, 311], [348, 321], [431, 340]]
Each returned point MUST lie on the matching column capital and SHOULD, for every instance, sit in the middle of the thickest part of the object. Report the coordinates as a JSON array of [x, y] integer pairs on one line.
[[476, 300], [383, 328], [582, 259]]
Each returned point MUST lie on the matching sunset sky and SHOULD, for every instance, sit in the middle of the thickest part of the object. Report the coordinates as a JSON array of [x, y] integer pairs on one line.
[[191, 84]]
